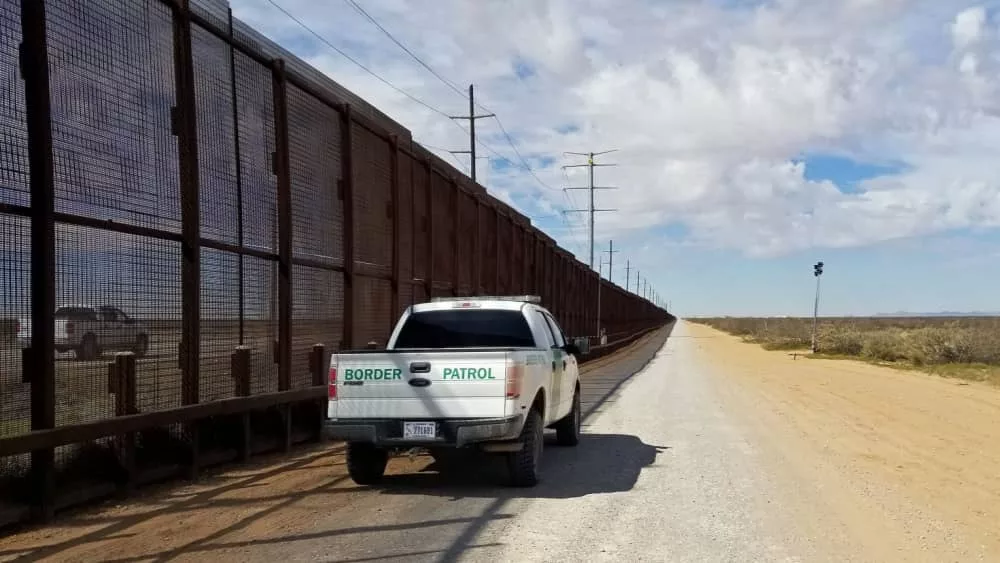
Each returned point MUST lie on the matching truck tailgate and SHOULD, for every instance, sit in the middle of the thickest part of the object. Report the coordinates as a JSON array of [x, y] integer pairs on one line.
[[419, 385]]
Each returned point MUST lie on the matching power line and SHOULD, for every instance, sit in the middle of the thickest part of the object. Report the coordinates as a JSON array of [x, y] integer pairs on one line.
[[404, 48], [355, 61], [576, 228], [450, 153], [510, 141], [459, 91]]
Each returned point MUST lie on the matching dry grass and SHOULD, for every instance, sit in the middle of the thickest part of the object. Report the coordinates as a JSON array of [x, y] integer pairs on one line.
[[963, 347]]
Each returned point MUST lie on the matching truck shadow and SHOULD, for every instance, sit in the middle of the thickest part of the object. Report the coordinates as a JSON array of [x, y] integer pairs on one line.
[[601, 463]]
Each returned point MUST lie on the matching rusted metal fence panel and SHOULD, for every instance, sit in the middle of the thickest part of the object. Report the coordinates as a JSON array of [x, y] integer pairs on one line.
[[175, 192], [442, 226], [466, 240]]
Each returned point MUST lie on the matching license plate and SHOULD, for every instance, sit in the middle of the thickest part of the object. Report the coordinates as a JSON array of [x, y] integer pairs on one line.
[[419, 430]]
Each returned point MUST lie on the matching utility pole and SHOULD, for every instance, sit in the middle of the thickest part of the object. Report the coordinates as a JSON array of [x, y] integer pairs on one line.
[[472, 117], [600, 283], [591, 188], [611, 260], [817, 273], [628, 267], [636, 282]]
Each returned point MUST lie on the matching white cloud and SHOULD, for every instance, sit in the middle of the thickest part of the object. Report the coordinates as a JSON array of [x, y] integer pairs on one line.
[[710, 106], [968, 27]]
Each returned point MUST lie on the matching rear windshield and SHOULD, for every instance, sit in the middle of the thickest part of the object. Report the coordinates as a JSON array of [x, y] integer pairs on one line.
[[466, 329]]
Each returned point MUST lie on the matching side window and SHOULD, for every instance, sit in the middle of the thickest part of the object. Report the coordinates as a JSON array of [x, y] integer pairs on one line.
[[556, 332], [108, 315], [550, 338]]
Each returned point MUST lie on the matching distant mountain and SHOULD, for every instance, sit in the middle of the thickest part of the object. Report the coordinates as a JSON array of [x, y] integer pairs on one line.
[[941, 314]]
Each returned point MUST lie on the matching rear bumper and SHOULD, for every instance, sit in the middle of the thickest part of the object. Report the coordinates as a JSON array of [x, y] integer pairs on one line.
[[451, 432]]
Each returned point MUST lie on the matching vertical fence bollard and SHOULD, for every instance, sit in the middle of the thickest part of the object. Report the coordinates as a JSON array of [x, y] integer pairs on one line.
[[240, 365], [122, 384], [34, 72], [318, 369], [184, 126]]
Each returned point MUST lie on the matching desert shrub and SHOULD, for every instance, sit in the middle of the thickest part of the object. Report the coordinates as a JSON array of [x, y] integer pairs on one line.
[[921, 341], [885, 346], [839, 341]]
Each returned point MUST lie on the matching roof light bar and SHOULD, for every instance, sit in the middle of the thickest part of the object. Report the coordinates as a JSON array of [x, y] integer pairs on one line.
[[519, 298]]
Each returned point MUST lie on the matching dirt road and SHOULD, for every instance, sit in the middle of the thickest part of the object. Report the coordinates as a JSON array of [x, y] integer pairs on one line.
[[717, 451]]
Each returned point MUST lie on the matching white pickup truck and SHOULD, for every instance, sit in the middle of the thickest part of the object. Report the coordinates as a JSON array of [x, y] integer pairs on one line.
[[89, 330], [486, 372]]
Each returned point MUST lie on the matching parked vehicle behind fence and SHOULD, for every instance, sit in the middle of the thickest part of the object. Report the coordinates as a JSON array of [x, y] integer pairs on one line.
[[89, 331]]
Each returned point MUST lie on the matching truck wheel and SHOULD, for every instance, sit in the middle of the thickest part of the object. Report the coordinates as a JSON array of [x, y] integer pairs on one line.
[[141, 345], [88, 351], [568, 429], [366, 463], [523, 464]]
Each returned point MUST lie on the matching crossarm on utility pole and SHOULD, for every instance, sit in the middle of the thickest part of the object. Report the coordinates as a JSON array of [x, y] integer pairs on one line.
[[472, 117]]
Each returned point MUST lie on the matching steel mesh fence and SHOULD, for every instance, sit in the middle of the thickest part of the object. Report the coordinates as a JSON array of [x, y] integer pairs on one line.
[[490, 256], [422, 262], [13, 132], [406, 232], [255, 107], [374, 297], [15, 243], [111, 95], [373, 244], [504, 262], [315, 169], [442, 218], [465, 241], [15, 315], [317, 316], [260, 322]]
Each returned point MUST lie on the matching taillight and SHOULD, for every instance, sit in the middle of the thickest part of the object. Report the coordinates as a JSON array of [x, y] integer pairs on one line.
[[515, 374], [17, 327], [70, 328], [332, 387]]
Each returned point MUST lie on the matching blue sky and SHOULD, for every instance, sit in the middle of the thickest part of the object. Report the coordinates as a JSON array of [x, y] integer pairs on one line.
[[754, 138]]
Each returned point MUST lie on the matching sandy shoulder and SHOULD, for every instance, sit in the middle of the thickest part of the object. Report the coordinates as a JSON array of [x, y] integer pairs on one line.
[[910, 461]]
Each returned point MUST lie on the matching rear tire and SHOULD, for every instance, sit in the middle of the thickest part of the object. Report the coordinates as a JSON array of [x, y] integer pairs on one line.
[[141, 345], [524, 464], [88, 350], [568, 429], [366, 463]]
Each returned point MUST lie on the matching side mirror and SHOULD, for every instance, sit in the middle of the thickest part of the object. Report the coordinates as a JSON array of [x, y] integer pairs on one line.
[[582, 345]]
